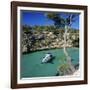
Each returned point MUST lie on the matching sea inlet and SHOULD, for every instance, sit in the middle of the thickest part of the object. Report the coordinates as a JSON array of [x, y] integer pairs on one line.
[[31, 65]]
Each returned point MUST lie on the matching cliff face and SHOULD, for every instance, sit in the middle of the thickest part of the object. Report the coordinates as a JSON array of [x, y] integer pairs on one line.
[[39, 40]]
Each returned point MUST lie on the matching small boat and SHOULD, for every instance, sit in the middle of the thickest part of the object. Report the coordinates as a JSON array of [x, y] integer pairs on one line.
[[48, 58]]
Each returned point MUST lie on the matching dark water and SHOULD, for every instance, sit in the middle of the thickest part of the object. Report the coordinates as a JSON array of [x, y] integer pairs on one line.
[[31, 63]]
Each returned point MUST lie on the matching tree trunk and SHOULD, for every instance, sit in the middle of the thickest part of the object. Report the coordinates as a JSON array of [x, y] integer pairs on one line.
[[68, 58]]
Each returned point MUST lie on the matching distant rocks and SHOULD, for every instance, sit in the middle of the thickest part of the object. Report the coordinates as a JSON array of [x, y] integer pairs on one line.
[[24, 49], [35, 40]]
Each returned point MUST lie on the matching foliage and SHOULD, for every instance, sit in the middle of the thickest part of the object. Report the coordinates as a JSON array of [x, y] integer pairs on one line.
[[27, 29], [58, 21], [75, 42], [64, 69]]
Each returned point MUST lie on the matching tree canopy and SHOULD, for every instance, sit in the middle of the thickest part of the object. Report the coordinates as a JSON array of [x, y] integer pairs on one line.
[[61, 19]]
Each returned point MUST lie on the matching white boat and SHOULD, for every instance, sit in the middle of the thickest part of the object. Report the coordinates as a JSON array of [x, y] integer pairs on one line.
[[48, 57]]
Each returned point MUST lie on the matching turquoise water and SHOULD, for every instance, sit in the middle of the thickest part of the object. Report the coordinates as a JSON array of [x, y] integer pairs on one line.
[[31, 63]]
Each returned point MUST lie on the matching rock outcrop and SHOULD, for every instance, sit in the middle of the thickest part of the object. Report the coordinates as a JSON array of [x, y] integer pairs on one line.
[[35, 40]]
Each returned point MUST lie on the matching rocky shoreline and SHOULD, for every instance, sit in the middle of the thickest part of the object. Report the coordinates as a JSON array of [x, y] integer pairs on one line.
[[44, 40]]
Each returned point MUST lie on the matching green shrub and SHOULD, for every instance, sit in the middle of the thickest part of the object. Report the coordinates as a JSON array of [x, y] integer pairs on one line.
[[64, 69]]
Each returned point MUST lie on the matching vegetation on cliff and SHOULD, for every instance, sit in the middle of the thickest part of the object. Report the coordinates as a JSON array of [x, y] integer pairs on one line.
[[47, 37]]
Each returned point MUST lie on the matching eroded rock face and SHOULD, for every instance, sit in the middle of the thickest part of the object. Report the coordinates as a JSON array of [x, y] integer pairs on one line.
[[24, 49], [43, 40]]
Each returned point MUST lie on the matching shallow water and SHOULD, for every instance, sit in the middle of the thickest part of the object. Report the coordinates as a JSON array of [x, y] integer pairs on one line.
[[31, 65]]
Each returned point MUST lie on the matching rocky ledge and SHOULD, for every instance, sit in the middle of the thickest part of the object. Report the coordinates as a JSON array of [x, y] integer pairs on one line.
[[39, 40]]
